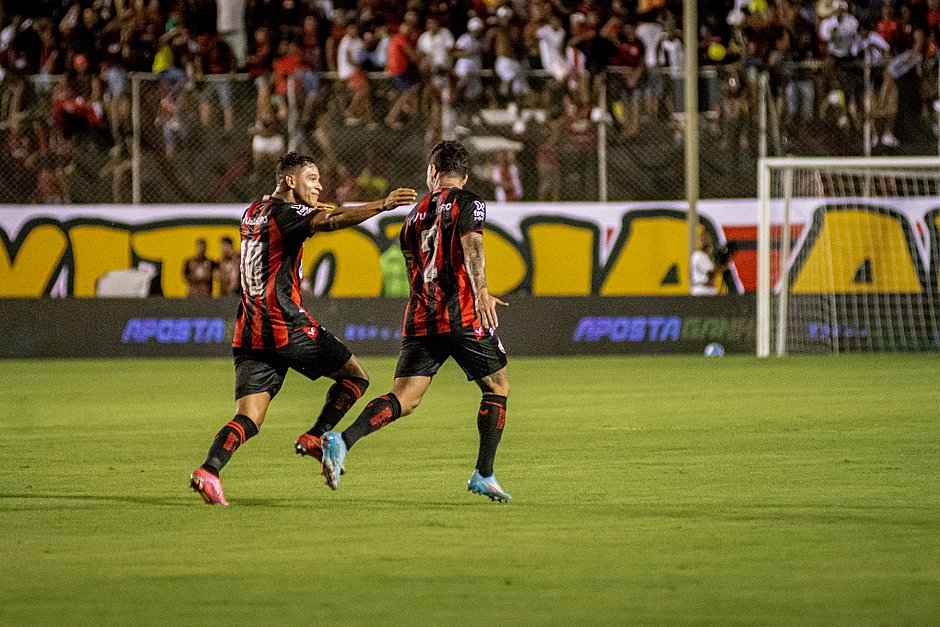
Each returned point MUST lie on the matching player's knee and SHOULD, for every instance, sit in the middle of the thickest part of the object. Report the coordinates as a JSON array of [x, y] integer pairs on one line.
[[496, 384]]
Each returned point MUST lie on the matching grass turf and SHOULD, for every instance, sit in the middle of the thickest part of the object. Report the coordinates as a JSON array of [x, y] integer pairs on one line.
[[646, 490]]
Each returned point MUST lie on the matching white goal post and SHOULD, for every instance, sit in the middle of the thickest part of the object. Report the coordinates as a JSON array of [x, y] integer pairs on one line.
[[847, 255]]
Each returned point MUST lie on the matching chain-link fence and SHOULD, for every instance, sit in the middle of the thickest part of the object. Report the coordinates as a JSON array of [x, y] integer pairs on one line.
[[174, 138]]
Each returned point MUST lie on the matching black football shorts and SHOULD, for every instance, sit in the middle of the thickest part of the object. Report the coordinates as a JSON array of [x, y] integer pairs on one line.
[[478, 357], [264, 370]]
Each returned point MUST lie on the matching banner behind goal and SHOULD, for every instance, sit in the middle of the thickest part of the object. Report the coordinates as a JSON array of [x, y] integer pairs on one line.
[[848, 255]]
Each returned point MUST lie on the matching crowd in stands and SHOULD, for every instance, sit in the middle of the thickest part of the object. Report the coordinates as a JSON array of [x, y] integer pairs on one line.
[[367, 85]]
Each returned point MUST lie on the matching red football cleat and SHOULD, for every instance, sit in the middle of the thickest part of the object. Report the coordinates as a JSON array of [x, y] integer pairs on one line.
[[311, 446], [208, 486]]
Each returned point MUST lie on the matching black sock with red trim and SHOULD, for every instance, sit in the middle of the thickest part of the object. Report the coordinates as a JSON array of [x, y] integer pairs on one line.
[[227, 441], [490, 423], [341, 396], [379, 412]]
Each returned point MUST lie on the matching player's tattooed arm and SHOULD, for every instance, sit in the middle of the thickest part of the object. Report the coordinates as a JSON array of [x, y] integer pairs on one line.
[[475, 263], [344, 217]]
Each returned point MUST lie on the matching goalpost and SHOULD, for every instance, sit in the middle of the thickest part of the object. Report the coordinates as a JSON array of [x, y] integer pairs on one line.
[[848, 255]]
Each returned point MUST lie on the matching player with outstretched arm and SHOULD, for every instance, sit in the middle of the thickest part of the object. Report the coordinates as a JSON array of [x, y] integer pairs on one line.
[[273, 331], [450, 314]]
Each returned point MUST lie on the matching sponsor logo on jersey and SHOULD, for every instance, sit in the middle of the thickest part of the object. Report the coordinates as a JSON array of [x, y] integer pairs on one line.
[[479, 210], [255, 220], [302, 210]]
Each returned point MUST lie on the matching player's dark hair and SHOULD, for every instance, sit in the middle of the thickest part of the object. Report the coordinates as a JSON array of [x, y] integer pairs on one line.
[[292, 162], [450, 157]]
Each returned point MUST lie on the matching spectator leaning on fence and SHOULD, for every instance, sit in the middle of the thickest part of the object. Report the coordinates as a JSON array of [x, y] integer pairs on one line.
[[839, 32]]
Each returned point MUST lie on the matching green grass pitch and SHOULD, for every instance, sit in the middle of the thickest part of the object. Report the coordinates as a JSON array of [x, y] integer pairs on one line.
[[654, 490]]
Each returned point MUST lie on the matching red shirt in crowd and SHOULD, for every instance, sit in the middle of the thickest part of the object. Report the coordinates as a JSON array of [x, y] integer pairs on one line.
[[283, 68], [398, 59]]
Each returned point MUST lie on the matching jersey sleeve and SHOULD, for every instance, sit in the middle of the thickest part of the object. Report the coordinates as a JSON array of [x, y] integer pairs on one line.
[[294, 220], [472, 213]]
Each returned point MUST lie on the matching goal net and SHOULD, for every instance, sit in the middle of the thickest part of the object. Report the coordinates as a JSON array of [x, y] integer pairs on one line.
[[848, 255]]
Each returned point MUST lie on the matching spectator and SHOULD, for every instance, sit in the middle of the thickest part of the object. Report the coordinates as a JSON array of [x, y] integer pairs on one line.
[[77, 100], [228, 269], [838, 32], [506, 178], [467, 68], [267, 145], [503, 41], [703, 270], [349, 56], [215, 64], [792, 79], [549, 163], [580, 145], [198, 271], [289, 66], [230, 24], [435, 46], [551, 38], [630, 56], [888, 26], [402, 65]]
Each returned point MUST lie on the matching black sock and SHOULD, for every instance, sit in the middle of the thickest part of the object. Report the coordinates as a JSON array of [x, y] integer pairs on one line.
[[339, 398], [379, 412], [490, 423], [227, 441]]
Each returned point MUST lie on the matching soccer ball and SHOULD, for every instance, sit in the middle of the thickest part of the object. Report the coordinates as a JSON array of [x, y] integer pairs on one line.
[[714, 350]]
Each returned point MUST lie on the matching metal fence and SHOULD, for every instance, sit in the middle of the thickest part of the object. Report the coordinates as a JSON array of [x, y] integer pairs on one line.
[[171, 138]]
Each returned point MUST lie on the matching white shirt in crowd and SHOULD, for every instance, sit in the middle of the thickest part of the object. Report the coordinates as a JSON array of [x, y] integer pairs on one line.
[[349, 55], [551, 44], [701, 264], [470, 58], [670, 54], [231, 16], [437, 47], [875, 48], [650, 33], [507, 179], [839, 34]]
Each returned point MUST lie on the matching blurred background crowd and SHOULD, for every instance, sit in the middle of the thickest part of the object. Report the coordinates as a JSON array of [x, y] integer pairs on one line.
[[205, 94]]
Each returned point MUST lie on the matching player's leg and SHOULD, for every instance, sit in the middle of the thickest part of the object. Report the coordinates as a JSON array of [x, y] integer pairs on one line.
[[257, 381], [419, 360], [315, 352], [483, 359], [351, 382], [405, 396]]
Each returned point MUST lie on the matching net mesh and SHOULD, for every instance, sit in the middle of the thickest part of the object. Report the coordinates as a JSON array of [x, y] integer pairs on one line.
[[853, 258]]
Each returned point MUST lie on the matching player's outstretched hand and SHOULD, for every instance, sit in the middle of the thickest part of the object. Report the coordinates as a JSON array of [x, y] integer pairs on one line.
[[399, 197], [486, 309]]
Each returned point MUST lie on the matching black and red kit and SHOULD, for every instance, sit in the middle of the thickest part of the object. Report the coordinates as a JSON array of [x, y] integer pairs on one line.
[[442, 298], [272, 244], [441, 321], [273, 332]]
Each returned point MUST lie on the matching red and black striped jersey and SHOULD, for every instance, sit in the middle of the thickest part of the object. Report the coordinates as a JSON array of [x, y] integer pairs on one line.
[[442, 298], [272, 245]]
